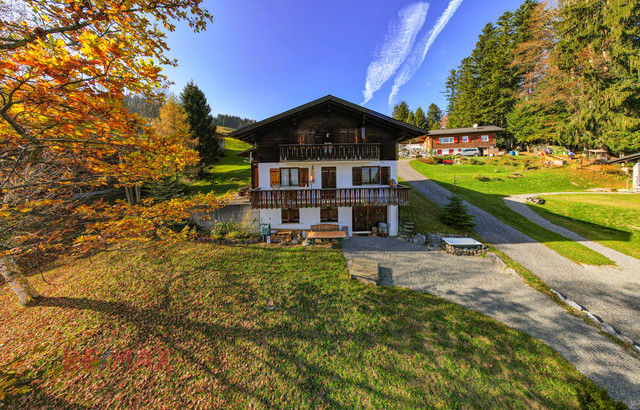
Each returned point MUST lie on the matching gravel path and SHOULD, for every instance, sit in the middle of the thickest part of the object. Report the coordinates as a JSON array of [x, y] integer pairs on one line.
[[612, 293], [478, 284]]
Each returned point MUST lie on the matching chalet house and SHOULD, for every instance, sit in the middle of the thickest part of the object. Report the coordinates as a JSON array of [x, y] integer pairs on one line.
[[451, 141], [327, 161]]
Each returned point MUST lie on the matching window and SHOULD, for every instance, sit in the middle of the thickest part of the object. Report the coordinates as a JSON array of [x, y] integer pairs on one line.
[[328, 177], [289, 176], [465, 138], [445, 140], [484, 138], [328, 214], [290, 215], [371, 175]]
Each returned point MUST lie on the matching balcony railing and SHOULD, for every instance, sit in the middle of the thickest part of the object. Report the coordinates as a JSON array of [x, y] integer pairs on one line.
[[314, 198], [329, 152]]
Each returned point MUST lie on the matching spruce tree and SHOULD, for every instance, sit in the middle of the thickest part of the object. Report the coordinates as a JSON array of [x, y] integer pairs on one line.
[[400, 111], [434, 116], [201, 124], [420, 120], [455, 213], [411, 118]]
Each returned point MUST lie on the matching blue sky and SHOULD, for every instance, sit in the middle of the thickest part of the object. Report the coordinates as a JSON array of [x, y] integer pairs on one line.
[[259, 58]]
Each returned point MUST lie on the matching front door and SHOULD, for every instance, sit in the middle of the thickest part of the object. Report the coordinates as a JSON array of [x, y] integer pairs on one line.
[[366, 217]]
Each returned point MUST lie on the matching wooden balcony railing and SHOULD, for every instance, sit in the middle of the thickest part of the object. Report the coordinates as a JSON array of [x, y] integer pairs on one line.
[[315, 198], [329, 152]]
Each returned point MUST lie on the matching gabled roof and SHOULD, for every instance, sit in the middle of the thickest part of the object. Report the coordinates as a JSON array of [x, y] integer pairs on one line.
[[448, 131], [626, 158], [246, 133]]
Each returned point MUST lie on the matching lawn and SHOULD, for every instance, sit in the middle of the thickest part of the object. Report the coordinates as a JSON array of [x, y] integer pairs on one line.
[[231, 173], [199, 325], [612, 220], [488, 182]]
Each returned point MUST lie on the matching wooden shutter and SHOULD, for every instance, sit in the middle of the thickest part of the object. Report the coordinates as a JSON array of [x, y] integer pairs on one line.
[[274, 176], [357, 176], [303, 176], [384, 175]]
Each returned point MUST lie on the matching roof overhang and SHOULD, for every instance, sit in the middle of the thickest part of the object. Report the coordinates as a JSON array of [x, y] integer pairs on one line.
[[626, 158], [249, 133]]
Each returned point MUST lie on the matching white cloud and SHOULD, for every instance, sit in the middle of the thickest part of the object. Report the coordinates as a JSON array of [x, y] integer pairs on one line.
[[415, 59], [396, 47]]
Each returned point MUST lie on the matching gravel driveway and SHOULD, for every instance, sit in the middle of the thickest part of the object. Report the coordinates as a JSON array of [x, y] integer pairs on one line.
[[478, 284], [612, 293]]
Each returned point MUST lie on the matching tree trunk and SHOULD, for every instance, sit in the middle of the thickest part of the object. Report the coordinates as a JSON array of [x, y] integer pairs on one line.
[[20, 285]]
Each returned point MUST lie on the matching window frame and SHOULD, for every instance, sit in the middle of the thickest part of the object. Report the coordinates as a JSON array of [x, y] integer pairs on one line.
[[484, 138], [445, 140], [290, 215], [464, 138], [329, 212]]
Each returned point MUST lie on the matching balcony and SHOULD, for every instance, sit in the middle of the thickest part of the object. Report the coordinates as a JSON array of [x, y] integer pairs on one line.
[[316, 198], [329, 152]]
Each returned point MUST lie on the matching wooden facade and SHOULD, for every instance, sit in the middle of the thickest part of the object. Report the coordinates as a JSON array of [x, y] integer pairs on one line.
[[312, 198]]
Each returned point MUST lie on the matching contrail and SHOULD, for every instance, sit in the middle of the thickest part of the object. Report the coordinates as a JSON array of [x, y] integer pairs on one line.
[[396, 47], [416, 58]]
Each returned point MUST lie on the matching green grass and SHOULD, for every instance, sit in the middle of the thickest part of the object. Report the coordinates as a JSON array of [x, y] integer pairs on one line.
[[612, 220], [230, 174], [328, 342], [486, 184]]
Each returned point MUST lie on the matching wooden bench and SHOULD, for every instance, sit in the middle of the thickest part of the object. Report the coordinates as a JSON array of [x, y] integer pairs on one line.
[[325, 231]]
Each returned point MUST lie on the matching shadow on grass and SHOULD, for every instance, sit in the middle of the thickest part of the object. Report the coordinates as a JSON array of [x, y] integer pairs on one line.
[[493, 205], [385, 353]]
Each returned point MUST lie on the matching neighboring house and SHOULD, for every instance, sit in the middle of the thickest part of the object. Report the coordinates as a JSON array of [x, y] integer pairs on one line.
[[451, 141], [328, 161], [636, 168]]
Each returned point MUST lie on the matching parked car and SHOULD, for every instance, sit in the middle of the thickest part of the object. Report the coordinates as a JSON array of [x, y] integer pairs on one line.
[[469, 152]]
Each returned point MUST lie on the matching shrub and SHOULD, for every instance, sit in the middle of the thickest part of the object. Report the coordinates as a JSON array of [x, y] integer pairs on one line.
[[236, 235], [430, 160], [481, 177], [475, 161], [221, 229], [455, 213]]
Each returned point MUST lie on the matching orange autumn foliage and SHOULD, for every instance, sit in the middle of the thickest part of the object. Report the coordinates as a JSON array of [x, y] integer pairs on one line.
[[64, 128]]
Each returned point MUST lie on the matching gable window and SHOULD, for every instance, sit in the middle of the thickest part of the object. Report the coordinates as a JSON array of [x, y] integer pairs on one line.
[[465, 138], [484, 138], [328, 214], [445, 140], [370, 175], [289, 176], [290, 215]]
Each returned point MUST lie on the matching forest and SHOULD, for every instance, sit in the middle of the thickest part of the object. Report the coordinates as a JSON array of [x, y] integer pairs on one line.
[[565, 73]]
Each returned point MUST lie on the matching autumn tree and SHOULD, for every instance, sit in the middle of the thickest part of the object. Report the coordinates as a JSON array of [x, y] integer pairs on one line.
[[66, 132], [201, 124]]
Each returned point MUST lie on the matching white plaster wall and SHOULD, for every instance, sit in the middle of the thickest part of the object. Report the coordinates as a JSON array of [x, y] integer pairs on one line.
[[344, 176], [344, 179], [636, 176]]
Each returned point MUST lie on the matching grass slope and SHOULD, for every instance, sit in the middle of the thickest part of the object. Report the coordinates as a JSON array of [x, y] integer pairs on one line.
[[231, 173], [486, 184], [612, 220], [191, 327]]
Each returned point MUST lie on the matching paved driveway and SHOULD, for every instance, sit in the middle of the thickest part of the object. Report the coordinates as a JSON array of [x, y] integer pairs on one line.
[[477, 284], [612, 293]]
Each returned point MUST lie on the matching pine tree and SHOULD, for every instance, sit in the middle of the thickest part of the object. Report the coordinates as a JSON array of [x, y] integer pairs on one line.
[[400, 111], [201, 124], [420, 119], [455, 213], [411, 118], [434, 116]]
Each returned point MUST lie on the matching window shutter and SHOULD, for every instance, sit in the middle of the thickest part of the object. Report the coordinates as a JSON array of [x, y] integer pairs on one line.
[[357, 176], [274, 176], [384, 175], [303, 176]]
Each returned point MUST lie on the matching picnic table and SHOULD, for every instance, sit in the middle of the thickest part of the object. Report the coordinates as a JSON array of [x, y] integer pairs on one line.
[[325, 231]]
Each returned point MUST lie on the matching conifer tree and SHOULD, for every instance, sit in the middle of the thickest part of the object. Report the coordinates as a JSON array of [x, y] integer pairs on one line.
[[411, 118], [201, 124], [400, 111], [420, 120], [434, 116], [455, 213]]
